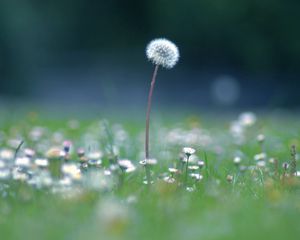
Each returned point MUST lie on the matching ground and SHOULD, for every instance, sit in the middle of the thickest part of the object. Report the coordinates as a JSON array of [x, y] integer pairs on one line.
[[242, 181]]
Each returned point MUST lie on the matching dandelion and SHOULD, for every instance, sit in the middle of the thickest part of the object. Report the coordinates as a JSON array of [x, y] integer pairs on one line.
[[160, 52]]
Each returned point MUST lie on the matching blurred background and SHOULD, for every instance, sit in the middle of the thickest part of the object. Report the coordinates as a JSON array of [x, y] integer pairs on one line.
[[234, 54]]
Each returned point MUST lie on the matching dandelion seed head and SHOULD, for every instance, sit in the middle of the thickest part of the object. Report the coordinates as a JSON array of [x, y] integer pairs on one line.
[[162, 52]]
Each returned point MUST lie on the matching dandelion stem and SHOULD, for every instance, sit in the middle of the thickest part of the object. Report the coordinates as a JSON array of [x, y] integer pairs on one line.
[[148, 112], [148, 175]]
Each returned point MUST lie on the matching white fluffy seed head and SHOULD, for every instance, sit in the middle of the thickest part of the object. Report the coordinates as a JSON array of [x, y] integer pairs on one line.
[[162, 52]]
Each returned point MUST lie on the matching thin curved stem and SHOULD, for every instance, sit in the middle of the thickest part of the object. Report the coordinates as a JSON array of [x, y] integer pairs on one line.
[[148, 112], [147, 169]]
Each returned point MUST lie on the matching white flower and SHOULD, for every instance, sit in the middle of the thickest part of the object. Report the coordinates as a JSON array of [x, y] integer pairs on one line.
[[237, 160], [151, 161], [23, 162], [260, 138], [188, 151], [41, 162], [162, 52], [260, 156], [71, 170], [126, 165], [247, 119]]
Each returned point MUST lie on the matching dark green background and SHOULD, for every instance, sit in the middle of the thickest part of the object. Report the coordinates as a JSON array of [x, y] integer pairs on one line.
[[46, 44]]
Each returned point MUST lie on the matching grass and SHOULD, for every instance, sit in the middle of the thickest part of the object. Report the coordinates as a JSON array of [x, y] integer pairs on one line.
[[259, 202]]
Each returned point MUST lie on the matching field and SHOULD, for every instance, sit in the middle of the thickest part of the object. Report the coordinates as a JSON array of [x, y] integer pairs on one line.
[[241, 183]]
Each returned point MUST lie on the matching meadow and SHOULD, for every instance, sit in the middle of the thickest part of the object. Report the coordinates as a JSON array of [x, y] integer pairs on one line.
[[64, 178]]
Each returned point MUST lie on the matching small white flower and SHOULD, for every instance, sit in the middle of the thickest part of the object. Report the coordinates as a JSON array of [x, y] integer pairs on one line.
[[193, 167], [200, 164], [162, 52], [23, 162], [6, 154], [261, 164], [188, 151], [247, 119], [29, 152], [169, 179], [71, 170], [260, 156], [150, 161], [237, 160], [260, 138], [95, 155], [126, 165], [196, 176], [41, 162], [4, 174], [173, 170]]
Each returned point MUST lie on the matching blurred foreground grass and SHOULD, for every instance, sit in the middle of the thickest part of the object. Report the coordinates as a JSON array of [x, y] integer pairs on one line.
[[251, 199]]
